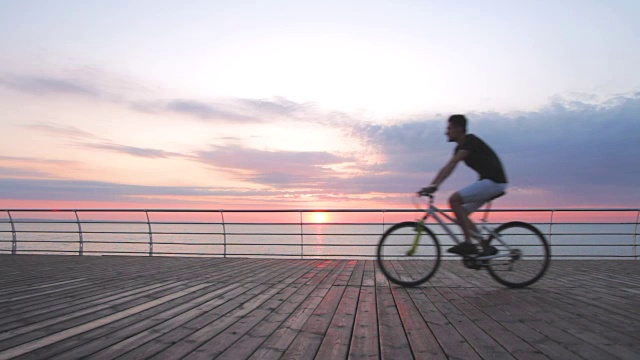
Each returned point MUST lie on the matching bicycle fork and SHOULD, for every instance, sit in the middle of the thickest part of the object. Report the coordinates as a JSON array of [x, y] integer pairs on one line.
[[416, 239]]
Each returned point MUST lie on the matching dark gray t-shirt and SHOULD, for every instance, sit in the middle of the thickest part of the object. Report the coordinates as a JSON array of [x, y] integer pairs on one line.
[[482, 159]]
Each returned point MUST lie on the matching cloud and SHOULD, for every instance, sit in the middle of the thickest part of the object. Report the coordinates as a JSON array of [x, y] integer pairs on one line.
[[277, 106], [31, 167], [83, 138], [13, 172], [273, 168], [314, 172], [575, 152], [414, 147], [108, 192], [80, 190], [48, 85], [34, 160], [57, 130], [133, 151], [193, 108], [232, 110], [567, 145], [566, 154], [103, 87]]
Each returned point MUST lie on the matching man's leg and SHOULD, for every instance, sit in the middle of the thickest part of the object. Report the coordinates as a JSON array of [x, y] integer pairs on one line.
[[468, 227], [465, 202]]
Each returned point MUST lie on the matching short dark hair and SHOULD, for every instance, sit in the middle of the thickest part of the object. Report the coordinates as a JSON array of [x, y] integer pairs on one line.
[[458, 121]]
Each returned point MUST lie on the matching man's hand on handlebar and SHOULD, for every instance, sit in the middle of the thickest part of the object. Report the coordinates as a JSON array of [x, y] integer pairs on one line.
[[425, 191]]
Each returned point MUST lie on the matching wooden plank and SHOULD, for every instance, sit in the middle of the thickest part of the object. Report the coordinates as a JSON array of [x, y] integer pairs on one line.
[[369, 273], [357, 274], [507, 339], [460, 276], [121, 298], [259, 333], [280, 340], [493, 306], [453, 344], [135, 330], [335, 343], [309, 339], [381, 280], [345, 275], [449, 274], [195, 345], [8, 290], [187, 332], [364, 341], [21, 297], [393, 340], [65, 323], [338, 266], [399, 270], [481, 342], [566, 321], [422, 341], [35, 344], [128, 333], [597, 301], [523, 310], [69, 303], [610, 326], [249, 316]]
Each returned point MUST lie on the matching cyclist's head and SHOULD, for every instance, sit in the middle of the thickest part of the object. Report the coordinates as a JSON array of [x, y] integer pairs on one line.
[[458, 121]]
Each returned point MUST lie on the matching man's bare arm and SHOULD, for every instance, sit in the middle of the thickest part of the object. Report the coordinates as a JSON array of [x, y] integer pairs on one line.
[[444, 173]]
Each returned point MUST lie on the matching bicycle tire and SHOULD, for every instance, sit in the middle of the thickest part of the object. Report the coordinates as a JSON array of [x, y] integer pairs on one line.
[[530, 258], [395, 262]]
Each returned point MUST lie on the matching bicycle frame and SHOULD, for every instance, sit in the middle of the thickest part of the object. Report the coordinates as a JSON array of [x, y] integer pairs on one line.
[[434, 212]]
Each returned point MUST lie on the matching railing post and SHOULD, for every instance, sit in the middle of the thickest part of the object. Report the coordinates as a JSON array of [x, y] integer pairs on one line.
[[146, 212], [635, 238], [14, 237], [224, 233], [383, 213], [301, 237], [81, 245], [550, 225]]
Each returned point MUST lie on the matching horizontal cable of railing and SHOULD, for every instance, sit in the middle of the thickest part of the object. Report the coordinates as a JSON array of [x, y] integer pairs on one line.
[[306, 245]]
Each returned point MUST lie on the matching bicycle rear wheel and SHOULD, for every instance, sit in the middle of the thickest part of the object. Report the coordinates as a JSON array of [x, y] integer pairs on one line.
[[395, 260], [527, 255]]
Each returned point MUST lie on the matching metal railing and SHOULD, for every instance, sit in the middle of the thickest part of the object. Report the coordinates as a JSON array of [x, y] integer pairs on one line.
[[606, 233]]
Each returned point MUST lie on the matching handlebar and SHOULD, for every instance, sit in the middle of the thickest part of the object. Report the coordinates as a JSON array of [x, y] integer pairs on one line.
[[420, 196]]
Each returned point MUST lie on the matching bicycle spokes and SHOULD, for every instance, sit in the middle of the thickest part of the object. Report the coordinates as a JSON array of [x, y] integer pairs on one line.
[[408, 254], [523, 254]]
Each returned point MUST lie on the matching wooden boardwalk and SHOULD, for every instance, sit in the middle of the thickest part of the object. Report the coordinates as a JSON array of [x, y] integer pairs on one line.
[[69, 307]]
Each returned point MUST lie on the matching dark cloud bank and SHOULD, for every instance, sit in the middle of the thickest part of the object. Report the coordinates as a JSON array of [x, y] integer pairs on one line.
[[564, 155]]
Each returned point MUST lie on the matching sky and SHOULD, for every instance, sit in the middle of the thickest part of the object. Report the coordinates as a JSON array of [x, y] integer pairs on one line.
[[314, 104]]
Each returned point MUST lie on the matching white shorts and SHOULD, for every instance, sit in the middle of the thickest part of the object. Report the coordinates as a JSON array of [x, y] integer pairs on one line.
[[478, 193]]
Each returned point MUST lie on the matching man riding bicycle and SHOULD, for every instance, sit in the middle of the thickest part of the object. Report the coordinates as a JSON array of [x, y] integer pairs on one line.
[[492, 182]]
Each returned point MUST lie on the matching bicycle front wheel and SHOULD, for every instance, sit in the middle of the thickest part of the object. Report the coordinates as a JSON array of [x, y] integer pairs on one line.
[[524, 254], [404, 263]]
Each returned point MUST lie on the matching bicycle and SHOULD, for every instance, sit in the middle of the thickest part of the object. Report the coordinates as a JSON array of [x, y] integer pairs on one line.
[[409, 253]]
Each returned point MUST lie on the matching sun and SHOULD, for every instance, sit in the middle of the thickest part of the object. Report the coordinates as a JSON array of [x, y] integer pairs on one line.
[[320, 217]]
